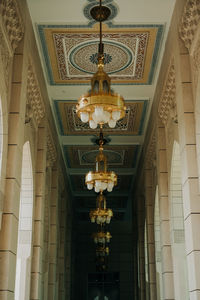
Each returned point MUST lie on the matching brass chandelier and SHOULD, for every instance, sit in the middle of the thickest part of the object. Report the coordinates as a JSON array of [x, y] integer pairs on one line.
[[100, 105], [101, 214], [102, 237], [101, 179], [102, 251]]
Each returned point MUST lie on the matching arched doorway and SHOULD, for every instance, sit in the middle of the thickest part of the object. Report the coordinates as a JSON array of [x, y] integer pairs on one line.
[[23, 267]]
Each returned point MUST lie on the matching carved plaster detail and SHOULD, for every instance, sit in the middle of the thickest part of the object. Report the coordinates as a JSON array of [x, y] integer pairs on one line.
[[12, 22], [167, 105], [51, 149], [151, 152], [34, 107], [5, 58], [196, 62], [189, 22]]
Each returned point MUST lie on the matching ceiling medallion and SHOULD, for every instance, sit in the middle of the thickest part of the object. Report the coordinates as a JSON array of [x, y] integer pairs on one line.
[[100, 106]]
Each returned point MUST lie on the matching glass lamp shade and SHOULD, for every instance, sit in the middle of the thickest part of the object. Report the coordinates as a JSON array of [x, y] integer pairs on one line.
[[101, 181], [101, 216]]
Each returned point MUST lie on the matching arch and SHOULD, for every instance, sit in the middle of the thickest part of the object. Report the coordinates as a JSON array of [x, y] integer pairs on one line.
[[177, 227], [24, 244], [159, 283]]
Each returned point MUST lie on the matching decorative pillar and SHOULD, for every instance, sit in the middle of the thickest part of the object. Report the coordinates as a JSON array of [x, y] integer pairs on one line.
[[167, 267], [40, 174], [12, 26], [68, 256], [61, 251], [141, 255], [9, 230], [53, 235], [150, 232], [188, 148]]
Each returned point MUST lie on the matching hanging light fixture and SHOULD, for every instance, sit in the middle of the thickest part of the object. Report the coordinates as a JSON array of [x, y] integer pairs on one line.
[[101, 214], [101, 263], [101, 179], [102, 251], [102, 237], [100, 105]]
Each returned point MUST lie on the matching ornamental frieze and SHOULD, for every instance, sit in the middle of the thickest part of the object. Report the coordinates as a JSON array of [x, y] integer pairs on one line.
[[167, 105], [189, 22], [35, 107], [12, 22]]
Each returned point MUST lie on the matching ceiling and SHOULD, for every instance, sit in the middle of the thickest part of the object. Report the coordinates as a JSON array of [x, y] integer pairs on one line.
[[134, 38]]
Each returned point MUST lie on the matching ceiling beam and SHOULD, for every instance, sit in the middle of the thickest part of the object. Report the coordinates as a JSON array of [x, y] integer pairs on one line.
[[115, 140]]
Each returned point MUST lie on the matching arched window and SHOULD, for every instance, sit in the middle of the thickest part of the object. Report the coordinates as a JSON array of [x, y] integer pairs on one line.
[[177, 228], [23, 268], [158, 247]]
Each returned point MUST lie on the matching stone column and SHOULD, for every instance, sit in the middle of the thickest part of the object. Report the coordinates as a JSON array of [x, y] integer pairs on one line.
[[167, 266], [150, 232], [141, 255], [190, 180], [40, 174], [69, 273], [9, 230], [61, 252], [53, 235]]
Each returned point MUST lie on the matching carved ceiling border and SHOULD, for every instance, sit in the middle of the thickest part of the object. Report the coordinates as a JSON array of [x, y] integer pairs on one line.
[[189, 22], [35, 107], [168, 102], [12, 22]]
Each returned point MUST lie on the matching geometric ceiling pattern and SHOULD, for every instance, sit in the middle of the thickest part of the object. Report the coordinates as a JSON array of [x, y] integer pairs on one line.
[[70, 124], [130, 52], [117, 156]]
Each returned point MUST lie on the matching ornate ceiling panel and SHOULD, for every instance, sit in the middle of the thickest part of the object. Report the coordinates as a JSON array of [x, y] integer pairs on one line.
[[71, 52], [134, 42], [70, 124], [117, 156]]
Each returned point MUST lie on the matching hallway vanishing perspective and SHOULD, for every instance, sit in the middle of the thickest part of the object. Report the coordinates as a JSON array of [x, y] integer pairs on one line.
[[99, 193]]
